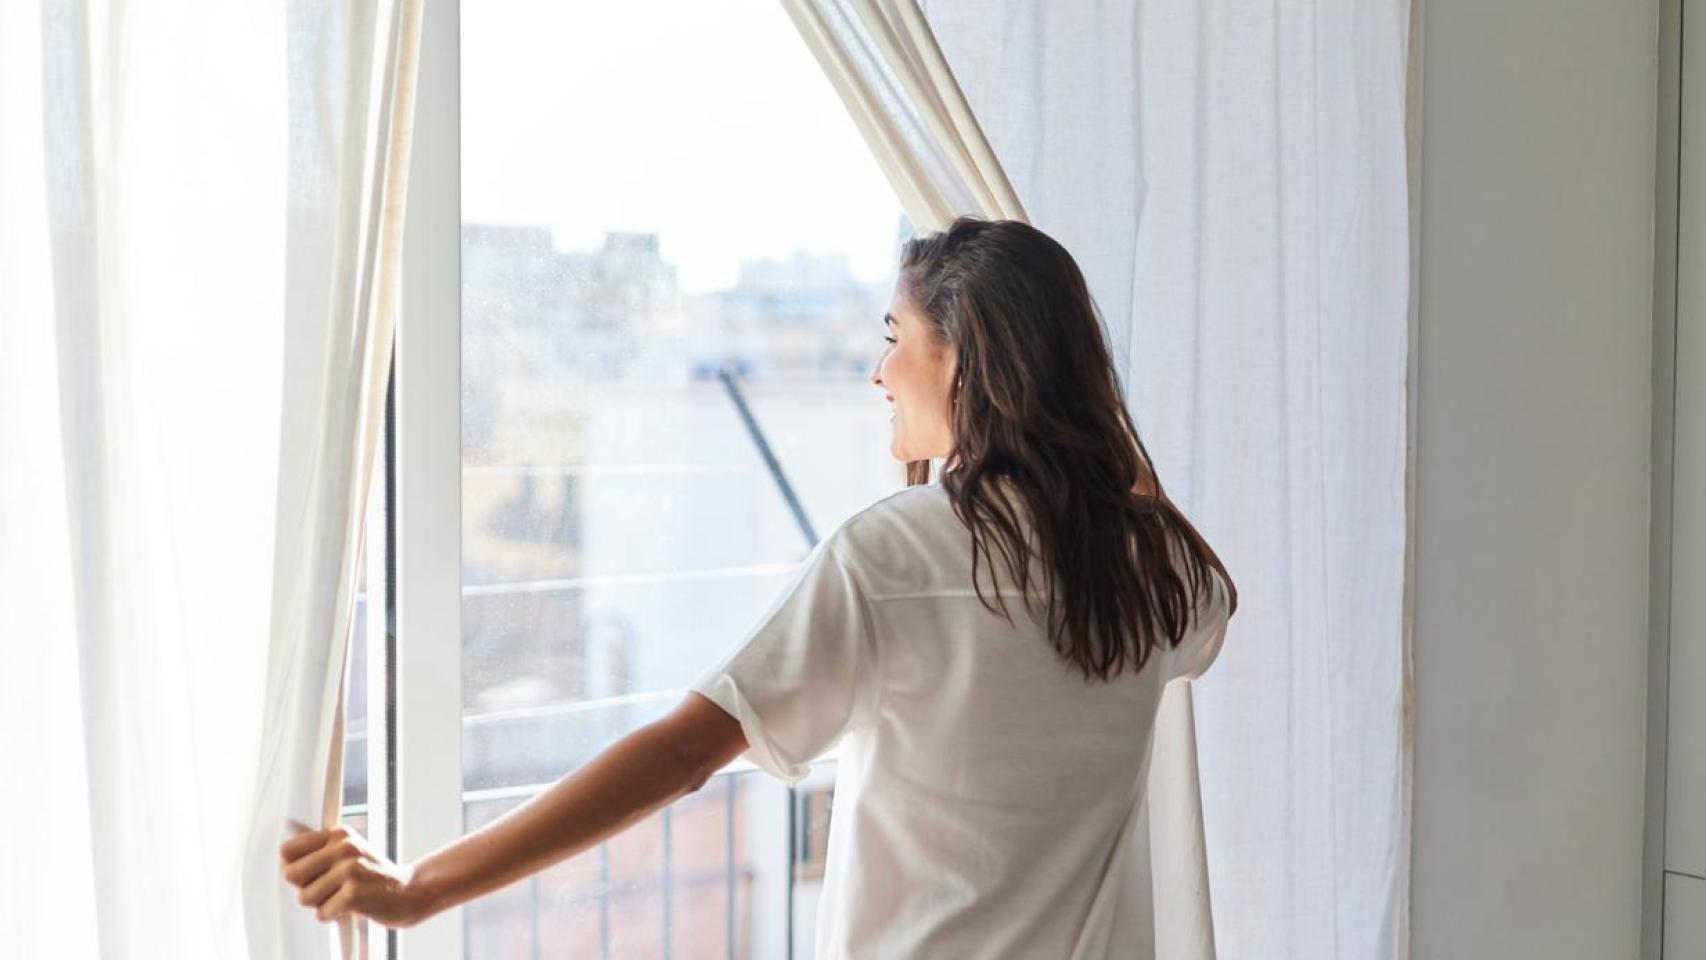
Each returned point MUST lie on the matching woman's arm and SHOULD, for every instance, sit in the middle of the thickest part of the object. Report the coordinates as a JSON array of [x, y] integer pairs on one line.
[[633, 777]]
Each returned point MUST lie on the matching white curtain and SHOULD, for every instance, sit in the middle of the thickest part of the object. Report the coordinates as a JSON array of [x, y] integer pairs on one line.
[[199, 217], [885, 63], [1232, 177]]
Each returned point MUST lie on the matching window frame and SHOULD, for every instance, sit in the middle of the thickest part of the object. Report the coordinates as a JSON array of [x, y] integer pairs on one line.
[[424, 465]]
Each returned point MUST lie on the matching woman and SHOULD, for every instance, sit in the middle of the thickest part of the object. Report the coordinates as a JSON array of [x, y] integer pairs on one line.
[[991, 763]]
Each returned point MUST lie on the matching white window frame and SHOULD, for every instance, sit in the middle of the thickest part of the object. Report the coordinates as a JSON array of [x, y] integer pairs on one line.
[[427, 466]]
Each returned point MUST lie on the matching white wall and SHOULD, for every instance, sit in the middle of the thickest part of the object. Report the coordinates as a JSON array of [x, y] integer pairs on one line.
[[1534, 400]]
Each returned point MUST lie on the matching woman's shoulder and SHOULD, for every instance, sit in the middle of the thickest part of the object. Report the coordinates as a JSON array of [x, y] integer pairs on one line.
[[899, 536], [903, 503], [922, 504]]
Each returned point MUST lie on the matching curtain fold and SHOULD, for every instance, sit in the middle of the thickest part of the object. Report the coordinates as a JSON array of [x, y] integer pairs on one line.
[[1233, 178], [885, 65], [338, 346], [884, 62], [199, 222]]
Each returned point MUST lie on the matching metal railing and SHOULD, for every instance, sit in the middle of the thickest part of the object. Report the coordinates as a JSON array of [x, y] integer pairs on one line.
[[663, 887]]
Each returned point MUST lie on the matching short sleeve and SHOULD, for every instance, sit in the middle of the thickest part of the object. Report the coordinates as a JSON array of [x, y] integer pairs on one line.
[[801, 677], [1202, 645]]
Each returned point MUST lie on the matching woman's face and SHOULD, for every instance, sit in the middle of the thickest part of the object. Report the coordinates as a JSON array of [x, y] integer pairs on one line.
[[916, 375]]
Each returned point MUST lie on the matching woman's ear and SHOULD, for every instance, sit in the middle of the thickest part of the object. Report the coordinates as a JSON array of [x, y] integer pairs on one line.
[[950, 360]]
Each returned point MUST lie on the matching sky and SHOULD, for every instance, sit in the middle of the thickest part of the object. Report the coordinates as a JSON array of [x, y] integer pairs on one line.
[[708, 122]]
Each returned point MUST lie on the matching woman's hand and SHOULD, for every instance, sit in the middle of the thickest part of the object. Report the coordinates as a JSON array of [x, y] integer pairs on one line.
[[340, 874]]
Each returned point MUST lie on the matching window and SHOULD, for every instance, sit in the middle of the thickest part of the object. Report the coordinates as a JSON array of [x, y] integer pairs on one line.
[[675, 254]]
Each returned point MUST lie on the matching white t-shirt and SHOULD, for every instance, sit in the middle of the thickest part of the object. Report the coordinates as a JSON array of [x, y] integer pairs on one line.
[[984, 789]]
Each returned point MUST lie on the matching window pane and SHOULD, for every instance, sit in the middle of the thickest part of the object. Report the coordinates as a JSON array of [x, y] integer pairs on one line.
[[676, 254]]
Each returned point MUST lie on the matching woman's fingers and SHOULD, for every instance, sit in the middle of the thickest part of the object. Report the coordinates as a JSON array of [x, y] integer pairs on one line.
[[339, 903], [300, 844], [318, 892], [307, 868], [309, 840]]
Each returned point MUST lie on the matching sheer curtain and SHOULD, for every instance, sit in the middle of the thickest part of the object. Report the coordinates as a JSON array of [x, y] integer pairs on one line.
[[1232, 176], [200, 220]]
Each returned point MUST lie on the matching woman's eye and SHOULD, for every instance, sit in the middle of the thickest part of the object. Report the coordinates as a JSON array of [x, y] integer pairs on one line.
[[889, 339]]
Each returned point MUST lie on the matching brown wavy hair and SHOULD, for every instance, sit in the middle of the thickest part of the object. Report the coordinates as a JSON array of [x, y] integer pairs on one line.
[[1038, 405]]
